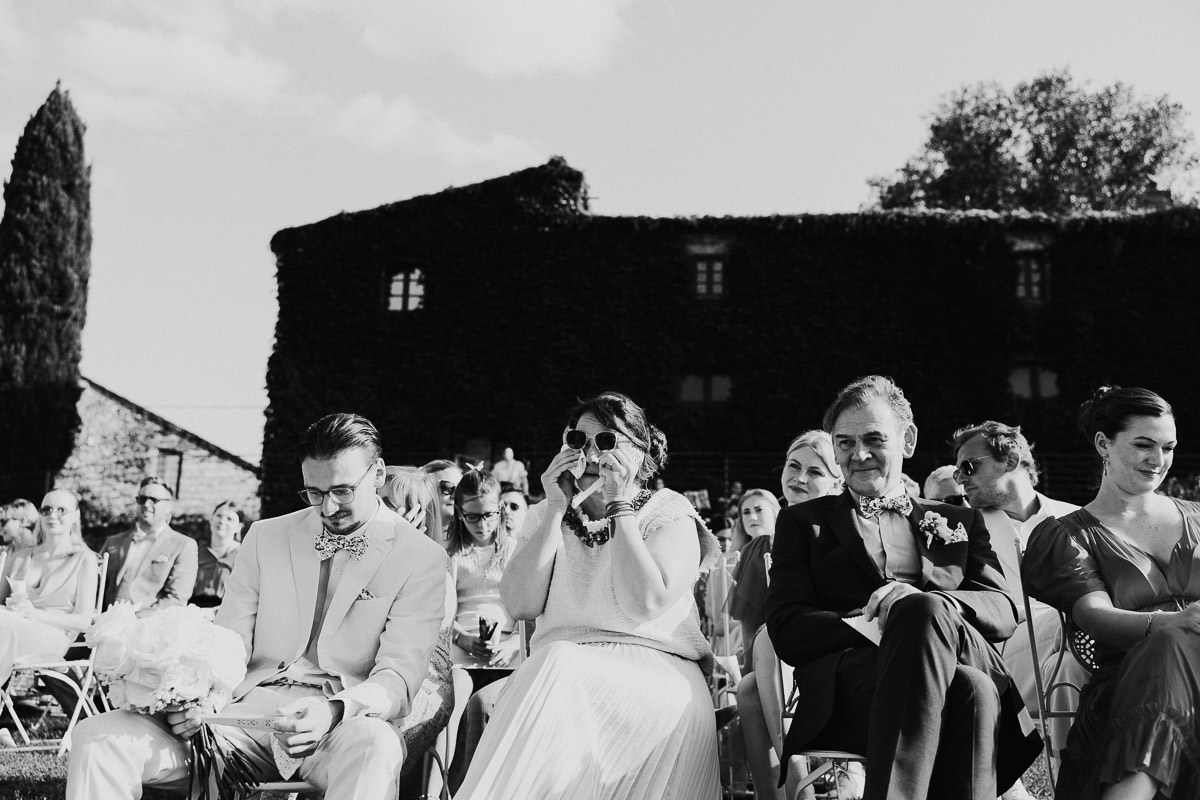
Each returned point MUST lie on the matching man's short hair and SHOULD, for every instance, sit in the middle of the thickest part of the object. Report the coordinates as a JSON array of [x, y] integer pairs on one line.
[[336, 433], [862, 391], [1001, 440], [154, 480]]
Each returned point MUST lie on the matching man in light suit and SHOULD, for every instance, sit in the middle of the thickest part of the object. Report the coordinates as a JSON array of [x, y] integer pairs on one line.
[[153, 564], [931, 706], [996, 469], [339, 606]]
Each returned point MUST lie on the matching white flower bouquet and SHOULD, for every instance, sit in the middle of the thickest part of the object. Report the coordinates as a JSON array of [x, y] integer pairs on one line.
[[175, 659]]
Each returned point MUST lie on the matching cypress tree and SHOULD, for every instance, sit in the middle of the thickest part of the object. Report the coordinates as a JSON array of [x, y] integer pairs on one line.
[[45, 260]]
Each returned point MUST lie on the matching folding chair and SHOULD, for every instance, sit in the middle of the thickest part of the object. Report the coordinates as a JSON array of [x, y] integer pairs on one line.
[[75, 676], [828, 759], [1083, 647]]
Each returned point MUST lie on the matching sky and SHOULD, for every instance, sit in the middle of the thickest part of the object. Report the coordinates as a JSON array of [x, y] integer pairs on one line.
[[213, 124]]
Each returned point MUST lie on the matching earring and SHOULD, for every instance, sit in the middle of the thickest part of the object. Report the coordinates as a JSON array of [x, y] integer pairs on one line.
[[1104, 459]]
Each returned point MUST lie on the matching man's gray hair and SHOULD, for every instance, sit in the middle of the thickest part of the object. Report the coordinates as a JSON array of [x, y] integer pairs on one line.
[[862, 391]]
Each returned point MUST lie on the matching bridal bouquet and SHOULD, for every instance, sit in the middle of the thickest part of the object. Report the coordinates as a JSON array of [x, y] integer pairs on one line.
[[175, 659]]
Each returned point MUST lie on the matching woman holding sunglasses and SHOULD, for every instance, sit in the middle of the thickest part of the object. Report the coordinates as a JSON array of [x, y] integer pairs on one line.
[[48, 591], [613, 701]]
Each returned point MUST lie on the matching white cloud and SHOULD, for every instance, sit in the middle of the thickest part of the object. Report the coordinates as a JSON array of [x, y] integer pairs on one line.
[[498, 39], [129, 71], [399, 125]]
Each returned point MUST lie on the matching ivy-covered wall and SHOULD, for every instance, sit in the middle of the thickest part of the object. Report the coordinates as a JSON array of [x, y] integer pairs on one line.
[[531, 302]]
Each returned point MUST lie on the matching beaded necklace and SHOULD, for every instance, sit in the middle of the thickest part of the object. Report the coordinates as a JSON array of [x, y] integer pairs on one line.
[[594, 532]]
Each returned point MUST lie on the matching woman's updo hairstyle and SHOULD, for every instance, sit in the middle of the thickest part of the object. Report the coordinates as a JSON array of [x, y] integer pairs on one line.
[[620, 413], [1111, 408]]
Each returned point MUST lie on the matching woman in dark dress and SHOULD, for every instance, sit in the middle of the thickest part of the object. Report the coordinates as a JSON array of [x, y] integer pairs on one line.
[[1126, 569]]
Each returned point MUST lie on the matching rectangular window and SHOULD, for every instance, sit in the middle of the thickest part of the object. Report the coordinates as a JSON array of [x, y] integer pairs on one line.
[[407, 291], [1032, 277], [170, 469], [710, 277], [705, 389]]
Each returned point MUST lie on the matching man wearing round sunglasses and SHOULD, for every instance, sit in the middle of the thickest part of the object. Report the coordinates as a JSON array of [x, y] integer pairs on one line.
[[339, 605], [995, 466], [152, 565]]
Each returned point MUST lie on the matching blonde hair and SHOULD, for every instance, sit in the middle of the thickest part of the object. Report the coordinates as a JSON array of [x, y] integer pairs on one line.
[[75, 533], [739, 532], [820, 443]]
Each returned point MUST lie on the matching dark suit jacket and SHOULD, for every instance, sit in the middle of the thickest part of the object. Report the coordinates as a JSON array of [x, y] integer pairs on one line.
[[821, 570]]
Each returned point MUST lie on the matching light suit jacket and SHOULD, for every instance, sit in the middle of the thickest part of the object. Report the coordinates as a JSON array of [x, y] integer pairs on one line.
[[165, 577], [381, 624]]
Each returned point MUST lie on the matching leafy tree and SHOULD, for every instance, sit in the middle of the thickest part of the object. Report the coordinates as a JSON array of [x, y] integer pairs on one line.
[[45, 260], [1049, 145]]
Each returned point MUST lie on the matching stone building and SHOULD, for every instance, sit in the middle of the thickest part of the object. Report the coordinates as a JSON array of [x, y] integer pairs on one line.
[[119, 443], [471, 319]]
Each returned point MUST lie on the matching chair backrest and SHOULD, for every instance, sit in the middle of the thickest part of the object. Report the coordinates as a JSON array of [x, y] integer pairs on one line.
[[100, 584], [3, 560]]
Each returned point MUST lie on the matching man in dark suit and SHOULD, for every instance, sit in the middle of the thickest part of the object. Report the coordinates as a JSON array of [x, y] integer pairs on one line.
[[932, 706]]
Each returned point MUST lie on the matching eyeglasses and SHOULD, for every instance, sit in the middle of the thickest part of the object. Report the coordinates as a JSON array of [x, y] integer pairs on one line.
[[475, 519], [340, 494], [48, 511], [966, 468], [955, 500], [142, 499], [603, 440], [446, 488]]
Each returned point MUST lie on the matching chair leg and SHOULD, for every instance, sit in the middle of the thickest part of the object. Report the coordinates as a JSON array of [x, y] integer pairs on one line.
[[12, 711]]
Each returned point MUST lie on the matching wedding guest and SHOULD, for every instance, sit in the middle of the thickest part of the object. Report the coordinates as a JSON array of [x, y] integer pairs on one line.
[[413, 494], [342, 666], [810, 470], [514, 507], [509, 470], [932, 706], [478, 555], [998, 473], [48, 591], [612, 702], [447, 474], [20, 517], [942, 486], [216, 559], [1124, 567], [152, 565]]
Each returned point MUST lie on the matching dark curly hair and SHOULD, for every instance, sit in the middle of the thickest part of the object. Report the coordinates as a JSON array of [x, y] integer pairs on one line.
[[619, 412]]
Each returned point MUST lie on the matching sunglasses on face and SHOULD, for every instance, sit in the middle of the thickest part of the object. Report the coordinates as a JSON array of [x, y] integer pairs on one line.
[[47, 511], [604, 440], [966, 468], [446, 488], [475, 519], [142, 499]]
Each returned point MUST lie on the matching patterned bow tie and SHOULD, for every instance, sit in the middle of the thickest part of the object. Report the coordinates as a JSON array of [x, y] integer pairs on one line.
[[326, 544], [874, 506], [139, 536]]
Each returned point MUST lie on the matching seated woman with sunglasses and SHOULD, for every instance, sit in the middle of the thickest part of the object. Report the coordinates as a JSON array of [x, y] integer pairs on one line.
[[48, 591], [612, 703]]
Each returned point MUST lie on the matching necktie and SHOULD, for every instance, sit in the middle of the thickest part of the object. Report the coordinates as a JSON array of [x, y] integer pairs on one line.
[[874, 506], [326, 544]]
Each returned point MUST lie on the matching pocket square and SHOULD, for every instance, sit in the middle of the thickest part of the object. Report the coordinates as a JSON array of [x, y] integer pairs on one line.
[[365, 594]]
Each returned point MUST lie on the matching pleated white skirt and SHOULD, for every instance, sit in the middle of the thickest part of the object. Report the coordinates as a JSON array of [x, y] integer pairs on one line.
[[599, 722]]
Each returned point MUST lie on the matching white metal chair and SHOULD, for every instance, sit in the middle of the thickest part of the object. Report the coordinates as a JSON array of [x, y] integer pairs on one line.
[[826, 759], [1072, 641], [75, 676]]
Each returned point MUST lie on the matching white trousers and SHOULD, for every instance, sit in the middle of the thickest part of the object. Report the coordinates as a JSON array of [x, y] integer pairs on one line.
[[114, 754]]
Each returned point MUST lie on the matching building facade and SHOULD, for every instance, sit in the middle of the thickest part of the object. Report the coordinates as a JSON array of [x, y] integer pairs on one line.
[[472, 319]]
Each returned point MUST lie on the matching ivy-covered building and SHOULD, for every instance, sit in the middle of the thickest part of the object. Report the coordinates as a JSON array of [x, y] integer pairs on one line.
[[471, 319]]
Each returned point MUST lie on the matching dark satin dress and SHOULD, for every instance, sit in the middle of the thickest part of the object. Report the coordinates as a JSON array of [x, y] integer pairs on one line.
[[1138, 711]]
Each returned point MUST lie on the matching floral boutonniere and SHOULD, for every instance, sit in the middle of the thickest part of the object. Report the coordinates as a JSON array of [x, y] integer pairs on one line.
[[935, 526]]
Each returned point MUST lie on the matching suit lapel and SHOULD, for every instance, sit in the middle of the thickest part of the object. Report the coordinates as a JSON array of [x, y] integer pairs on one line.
[[937, 567], [306, 570], [914, 521], [381, 537], [842, 524]]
